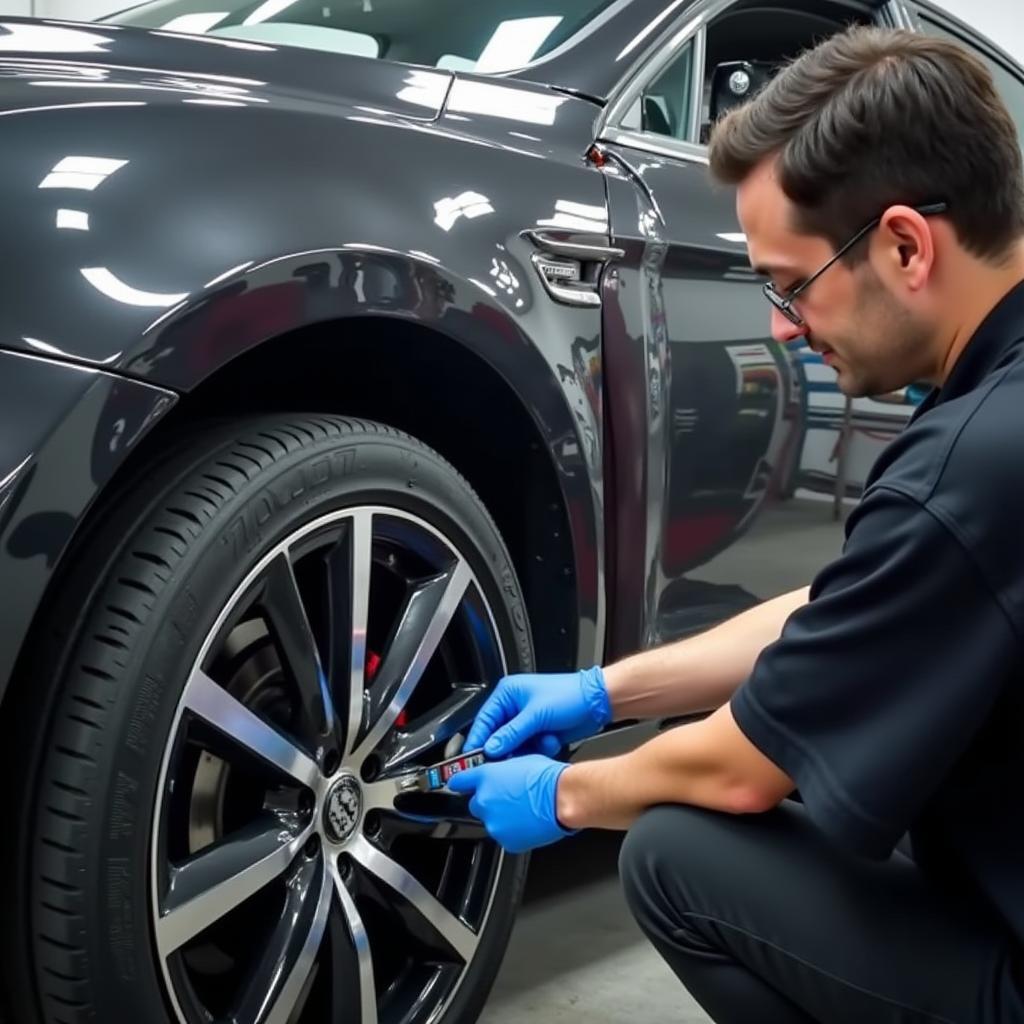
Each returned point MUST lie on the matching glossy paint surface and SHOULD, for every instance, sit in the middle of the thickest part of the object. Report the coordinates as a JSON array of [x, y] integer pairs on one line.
[[723, 504], [169, 219], [172, 202]]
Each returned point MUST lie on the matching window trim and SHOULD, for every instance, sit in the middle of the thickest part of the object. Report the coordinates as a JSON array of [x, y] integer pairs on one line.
[[659, 56], [691, 26]]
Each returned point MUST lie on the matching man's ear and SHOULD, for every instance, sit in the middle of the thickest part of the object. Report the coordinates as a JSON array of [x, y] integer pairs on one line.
[[904, 247]]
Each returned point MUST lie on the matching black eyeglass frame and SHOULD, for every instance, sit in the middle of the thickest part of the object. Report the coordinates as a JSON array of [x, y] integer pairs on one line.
[[784, 303]]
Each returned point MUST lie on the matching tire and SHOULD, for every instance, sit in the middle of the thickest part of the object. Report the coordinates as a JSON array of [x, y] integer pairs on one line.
[[186, 762]]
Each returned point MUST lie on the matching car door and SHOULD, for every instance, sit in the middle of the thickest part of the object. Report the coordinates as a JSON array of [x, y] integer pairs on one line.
[[739, 492]]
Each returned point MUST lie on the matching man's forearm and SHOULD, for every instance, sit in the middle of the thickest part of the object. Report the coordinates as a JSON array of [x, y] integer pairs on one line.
[[702, 672], [708, 764]]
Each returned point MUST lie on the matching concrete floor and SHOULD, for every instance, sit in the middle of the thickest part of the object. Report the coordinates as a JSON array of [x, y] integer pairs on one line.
[[577, 955]]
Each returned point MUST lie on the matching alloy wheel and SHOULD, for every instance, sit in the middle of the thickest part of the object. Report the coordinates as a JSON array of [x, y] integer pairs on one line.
[[291, 882]]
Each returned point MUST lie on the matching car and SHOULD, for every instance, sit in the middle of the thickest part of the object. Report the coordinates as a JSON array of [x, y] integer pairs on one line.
[[354, 355]]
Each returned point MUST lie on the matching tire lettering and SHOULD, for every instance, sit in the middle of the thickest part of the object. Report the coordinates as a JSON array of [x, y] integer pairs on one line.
[[518, 617], [244, 532], [262, 511], [185, 614], [343, 462], [121, 916], [125, 807], [319, 472], [237, 536], [290, 487], [144, 712]]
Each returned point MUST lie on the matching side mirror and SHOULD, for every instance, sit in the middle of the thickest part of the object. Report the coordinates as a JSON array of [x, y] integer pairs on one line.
[[735, 82]]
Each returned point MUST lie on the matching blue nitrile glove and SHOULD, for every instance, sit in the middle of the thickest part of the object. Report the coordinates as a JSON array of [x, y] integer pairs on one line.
[[515, 800], [541, 712]]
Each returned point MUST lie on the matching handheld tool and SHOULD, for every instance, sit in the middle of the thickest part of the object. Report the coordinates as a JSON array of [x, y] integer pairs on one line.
[[427, 780]]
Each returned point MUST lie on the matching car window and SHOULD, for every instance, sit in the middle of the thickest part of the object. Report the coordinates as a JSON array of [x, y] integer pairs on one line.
[[664, 106], [1010, 86], [739, 51], [459, 34]]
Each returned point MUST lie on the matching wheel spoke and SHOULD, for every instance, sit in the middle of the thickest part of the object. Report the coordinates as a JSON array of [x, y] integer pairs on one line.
[[426, 617], [289, 624], [280, 981], [220, 878], [348, 590], [462, 939], [455, 714], [358, 947], [215, 706]]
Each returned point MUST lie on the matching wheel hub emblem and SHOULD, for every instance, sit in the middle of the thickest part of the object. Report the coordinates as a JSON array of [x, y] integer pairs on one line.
[[342, 809]]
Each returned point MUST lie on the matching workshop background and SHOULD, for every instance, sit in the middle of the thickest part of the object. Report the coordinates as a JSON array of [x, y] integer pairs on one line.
[[575, 942]]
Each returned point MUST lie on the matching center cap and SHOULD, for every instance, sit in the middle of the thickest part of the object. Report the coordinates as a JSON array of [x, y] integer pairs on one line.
[[342, 809]]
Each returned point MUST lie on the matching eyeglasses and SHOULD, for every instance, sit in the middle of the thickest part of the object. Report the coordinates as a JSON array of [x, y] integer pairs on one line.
[[784, 303]]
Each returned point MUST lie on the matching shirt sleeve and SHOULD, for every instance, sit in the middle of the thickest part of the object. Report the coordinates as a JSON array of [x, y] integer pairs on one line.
[[876, 687]]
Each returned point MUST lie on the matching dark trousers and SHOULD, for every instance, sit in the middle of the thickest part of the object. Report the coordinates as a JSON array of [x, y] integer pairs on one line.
[[765, 922]]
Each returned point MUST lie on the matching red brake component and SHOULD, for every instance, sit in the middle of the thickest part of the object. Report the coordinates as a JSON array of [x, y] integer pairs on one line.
[[373, 661], [372, 664]]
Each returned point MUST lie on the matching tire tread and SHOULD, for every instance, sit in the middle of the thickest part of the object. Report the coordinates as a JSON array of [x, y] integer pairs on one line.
[[145, 563]]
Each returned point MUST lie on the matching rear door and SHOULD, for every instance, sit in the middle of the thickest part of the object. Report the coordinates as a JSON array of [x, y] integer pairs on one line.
[[739, 493]]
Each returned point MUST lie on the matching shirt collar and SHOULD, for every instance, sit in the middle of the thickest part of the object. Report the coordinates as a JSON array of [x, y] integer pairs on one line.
[[998, 333]]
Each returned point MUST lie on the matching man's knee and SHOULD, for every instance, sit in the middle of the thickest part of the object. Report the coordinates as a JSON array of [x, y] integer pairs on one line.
[[692, 860], [667, 855]]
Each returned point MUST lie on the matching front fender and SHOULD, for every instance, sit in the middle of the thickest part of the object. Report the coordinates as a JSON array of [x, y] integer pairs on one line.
[[214, 228], [64, 433]]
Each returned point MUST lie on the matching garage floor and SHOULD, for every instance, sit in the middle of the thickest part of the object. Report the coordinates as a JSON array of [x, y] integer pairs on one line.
[[576, 953]]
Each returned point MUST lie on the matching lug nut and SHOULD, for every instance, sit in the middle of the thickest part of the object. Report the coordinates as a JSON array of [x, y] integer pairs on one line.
[[332, 761], [371, 826], [312, 847]]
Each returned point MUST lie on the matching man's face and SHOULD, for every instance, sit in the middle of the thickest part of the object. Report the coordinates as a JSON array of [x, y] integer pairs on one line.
[[874, 343]]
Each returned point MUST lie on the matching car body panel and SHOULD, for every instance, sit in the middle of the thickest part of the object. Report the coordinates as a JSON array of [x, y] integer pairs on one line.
[[726, 510], [171, 257], [175, 201], [723, 415], [64, 432]]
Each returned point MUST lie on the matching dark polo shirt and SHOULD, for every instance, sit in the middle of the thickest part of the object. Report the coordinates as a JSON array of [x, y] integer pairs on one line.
[[895, 698]]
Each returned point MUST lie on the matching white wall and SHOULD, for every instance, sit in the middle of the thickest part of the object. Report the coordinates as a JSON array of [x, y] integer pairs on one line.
[[999, 19], [80, 10]]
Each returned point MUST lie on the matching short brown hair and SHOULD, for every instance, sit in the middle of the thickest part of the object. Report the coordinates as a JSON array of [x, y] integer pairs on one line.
[[874, 117]]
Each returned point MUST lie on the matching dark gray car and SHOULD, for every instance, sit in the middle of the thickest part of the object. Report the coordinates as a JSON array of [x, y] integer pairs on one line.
[[354, 353]]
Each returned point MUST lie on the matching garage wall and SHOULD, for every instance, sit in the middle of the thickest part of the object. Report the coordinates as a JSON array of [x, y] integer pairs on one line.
[[999, 19], [82, 10]]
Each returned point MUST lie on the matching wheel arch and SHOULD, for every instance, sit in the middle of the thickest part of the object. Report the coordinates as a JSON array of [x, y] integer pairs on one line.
[[424, 382], [468, 413]]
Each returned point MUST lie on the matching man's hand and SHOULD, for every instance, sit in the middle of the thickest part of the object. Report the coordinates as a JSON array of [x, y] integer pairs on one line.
[[515, 800], [541, 712]]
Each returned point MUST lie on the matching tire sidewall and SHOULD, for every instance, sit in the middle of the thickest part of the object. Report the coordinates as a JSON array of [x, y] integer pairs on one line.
[[300, 487]]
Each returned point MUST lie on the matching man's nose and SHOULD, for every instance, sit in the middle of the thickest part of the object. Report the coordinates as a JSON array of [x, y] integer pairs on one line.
[[784, 331]]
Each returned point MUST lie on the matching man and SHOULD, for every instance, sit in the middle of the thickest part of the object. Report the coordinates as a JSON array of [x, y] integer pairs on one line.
[[880, 189]]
